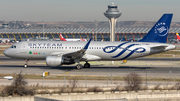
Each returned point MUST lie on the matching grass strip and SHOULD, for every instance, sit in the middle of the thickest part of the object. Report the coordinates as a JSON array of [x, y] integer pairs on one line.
[[89, 77]]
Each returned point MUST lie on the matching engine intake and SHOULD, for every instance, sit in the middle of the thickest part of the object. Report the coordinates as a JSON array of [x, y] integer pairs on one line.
[[54, 61]]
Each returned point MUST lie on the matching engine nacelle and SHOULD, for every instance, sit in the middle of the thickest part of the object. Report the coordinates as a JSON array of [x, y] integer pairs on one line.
[[54, 61]]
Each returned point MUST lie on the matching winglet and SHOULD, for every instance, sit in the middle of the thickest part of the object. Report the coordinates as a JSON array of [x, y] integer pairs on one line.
[[87, 45]]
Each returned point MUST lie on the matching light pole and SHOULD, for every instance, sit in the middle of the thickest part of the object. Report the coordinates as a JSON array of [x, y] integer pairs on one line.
[[96, 29], [43, 30]]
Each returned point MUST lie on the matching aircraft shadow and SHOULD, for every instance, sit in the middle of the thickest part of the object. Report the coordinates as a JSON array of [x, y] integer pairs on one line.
[[70, 67]]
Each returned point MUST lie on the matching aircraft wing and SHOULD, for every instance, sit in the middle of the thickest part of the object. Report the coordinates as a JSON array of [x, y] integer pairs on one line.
[[76, 54], [79, 53]]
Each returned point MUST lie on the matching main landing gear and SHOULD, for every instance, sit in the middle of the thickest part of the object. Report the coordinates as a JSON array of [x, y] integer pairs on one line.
[[26, 64], [86, 65]]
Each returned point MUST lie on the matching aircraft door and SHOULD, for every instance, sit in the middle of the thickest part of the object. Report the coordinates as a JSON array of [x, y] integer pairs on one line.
[[23, 47]]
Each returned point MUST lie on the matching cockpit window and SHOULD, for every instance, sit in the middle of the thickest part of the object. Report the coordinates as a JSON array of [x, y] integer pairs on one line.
[[13, 46]]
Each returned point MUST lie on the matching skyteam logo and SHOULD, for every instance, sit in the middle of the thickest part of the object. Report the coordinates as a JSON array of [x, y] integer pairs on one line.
[[124, 49], [161, 29]]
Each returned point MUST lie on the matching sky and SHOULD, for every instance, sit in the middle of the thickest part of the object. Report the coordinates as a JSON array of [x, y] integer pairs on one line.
[[86, 10]]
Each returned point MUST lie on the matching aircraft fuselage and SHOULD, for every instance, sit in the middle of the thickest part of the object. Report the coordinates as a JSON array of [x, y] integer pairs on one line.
[[103, 50]]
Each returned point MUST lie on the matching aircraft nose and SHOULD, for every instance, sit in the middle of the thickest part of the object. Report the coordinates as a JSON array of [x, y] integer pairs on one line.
[[5, 52]]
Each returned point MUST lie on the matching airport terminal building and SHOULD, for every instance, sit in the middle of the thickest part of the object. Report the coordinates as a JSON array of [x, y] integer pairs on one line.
[[102, 34]]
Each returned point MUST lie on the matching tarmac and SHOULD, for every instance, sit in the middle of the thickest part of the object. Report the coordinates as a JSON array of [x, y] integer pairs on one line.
[[156, 67]]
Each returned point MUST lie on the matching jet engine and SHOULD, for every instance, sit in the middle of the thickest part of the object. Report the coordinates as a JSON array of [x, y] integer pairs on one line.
[[54, 61]]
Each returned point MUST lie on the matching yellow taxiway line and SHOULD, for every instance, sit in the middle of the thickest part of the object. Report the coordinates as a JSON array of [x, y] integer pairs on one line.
[[65, 73]]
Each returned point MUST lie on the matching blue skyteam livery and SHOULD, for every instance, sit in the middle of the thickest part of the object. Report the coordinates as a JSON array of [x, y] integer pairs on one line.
[[57, 53]]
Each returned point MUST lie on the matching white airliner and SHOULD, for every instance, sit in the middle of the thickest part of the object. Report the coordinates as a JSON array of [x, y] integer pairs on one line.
[[5, 40], [57, 53], [63, 39]]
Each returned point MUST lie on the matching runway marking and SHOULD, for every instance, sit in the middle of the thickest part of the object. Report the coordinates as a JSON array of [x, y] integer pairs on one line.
[[86, 68], [158, 61], [65, 73], [0, 62], [40, 63]]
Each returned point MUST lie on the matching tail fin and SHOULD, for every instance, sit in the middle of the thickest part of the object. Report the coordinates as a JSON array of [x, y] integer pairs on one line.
[[177, 35], [122, 39], [159, 31], [61, 37]]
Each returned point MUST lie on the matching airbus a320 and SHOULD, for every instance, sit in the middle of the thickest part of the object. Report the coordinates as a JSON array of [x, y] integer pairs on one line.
[[57, 53]]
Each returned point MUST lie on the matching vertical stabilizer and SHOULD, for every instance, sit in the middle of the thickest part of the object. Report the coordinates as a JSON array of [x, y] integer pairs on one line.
[[159, 31], [177, 35], [61, 37]]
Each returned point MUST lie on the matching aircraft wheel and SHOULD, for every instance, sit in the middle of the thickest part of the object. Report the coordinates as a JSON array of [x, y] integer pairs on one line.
[[79, 66], [87, 65], [25, 66]]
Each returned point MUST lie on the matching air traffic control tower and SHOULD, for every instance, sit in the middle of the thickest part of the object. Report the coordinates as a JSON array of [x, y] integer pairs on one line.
[[112, 14]]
